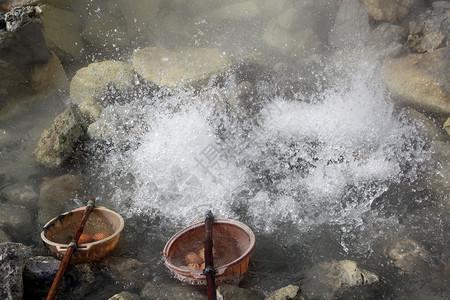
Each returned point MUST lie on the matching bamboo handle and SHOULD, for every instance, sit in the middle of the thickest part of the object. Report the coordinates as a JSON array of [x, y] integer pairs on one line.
[[70, 250], [209, 263]]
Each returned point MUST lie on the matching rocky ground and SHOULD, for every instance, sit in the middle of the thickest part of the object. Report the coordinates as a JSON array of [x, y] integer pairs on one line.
[[42, 44]]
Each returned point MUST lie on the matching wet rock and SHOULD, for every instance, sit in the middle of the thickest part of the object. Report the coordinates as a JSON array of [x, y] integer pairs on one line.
[[58, 142], [326, 279], [173, 292], [128, 271], [49, 76], [125, 296], [388, 10], [447, 126], [12, 85], [39, 274], [140, 17], [90, 107], [425, 126], [56, 194], [98, 80], [438, 175], [65, 4], [193, 67], [103, 30], [435, 33], [22, 194], [351, 27], [13, 257], [231, 292], [19, 16], [388, 39], [286, 293], [409, 256], [116, 124], [62, 29], [84, 280], [421, 80]]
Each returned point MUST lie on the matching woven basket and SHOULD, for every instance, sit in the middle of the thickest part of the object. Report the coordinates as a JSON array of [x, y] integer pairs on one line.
[[58, 233], [229, 236]]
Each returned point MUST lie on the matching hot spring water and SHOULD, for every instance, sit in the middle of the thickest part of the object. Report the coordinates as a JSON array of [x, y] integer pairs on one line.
[[323, 175], [329, 169]]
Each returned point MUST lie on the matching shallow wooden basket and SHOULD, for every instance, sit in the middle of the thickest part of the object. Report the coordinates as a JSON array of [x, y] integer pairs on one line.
[[58, 232], [192, 238]]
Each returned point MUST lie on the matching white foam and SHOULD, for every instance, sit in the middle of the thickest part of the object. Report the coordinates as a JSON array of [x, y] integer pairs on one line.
[[348, 143]]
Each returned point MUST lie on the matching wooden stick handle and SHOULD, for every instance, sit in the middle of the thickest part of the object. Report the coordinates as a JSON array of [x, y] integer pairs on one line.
[[70, 250], [209, 261]]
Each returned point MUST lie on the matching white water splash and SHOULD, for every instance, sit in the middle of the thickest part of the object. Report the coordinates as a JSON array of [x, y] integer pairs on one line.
[[311, 163]]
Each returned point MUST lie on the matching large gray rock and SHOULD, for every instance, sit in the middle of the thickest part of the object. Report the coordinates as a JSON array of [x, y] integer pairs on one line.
[[435, 33], [13, 257], [421, 80], [326, 279], [38, 275], [286, 293], [189, 66], [92, 83], [56, 194], [117, 124], [62, 29], [388, 10], [351, 27], [58, 142]]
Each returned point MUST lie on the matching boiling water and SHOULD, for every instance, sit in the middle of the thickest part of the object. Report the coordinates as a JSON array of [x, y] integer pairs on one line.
[[323, 175]]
